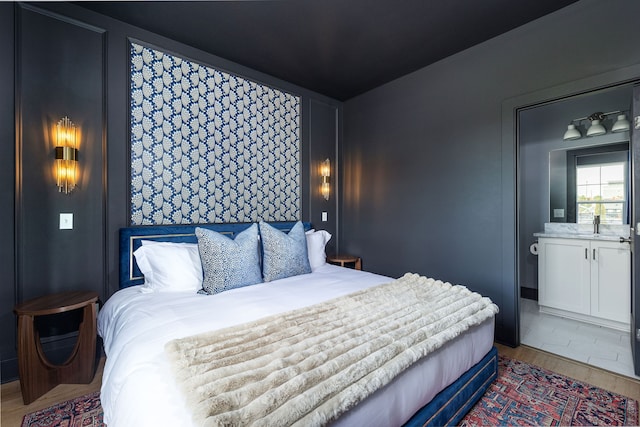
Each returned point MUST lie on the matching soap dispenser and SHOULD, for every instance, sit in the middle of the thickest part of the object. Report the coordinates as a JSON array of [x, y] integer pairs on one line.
[[596, 224]]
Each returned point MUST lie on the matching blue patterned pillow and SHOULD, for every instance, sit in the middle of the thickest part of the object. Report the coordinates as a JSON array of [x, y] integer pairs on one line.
[[283, 255], [229, 263]]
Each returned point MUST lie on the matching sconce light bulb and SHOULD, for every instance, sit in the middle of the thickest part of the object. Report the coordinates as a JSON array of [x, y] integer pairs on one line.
[[66, 155], [325, 179]]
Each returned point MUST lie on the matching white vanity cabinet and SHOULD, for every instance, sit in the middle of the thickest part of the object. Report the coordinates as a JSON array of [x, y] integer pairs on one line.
[[611, 281], [585, 279], [564, 275]]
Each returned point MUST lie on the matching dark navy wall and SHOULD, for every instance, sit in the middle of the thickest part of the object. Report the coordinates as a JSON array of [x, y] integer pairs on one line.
[[7, 174], [91, 80], [430, 173], [57, 81], [323, 135]]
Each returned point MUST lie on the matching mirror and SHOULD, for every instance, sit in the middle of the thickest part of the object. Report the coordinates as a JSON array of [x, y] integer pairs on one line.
[[587, 180]]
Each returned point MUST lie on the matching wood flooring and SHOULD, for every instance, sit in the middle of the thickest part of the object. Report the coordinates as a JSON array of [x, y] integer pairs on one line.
[[13, 409], [11, 398]]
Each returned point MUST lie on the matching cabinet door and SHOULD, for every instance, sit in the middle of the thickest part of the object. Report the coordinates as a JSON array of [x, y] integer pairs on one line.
[[564, 271], [611, 281]]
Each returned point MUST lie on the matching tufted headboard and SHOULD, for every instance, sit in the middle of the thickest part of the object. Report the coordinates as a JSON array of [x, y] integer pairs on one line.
[[131, 239]]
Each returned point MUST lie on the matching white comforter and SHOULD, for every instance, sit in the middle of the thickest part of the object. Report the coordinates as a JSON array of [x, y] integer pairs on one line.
[[137, 386]]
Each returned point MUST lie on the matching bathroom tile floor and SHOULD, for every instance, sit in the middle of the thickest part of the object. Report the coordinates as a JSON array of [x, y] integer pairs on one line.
[[605, 348]]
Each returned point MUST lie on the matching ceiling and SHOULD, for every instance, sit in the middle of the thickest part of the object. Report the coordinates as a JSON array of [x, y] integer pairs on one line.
[[339, 48]]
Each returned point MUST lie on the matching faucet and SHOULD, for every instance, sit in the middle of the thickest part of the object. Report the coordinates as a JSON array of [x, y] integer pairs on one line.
[[596, 224]]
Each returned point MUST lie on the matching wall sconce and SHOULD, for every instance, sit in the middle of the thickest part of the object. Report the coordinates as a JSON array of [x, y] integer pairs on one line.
[[596, 128], [66, 155], [325, 174]]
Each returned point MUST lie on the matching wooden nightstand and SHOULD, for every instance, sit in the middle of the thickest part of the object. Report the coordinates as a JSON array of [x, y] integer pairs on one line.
[[341, 260], [37, 374]]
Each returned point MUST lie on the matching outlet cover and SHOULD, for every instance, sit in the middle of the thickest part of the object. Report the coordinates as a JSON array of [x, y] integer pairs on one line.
[[66, 221]]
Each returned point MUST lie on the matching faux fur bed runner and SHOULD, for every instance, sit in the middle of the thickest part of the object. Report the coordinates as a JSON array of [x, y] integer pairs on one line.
[[308, 366]]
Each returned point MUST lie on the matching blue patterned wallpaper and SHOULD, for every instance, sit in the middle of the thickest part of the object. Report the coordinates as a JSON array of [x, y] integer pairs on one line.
[[208, 146]]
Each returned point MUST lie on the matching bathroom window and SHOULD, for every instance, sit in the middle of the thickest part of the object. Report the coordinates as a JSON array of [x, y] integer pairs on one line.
[[598, 184], [601, 190]]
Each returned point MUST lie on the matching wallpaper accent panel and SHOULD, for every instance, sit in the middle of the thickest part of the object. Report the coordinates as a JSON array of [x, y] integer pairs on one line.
[[208, 146]]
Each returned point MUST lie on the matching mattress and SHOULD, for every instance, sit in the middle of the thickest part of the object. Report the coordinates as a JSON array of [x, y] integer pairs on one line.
[[139, 388]]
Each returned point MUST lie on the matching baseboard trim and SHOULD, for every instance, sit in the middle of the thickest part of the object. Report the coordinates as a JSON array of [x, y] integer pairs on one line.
[[8, 370], [529, 293], [55, 351]]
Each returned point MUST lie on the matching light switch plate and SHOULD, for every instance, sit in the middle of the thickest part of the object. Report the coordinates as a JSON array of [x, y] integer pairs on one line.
[[66, 221], [558, 213], [325, 216]]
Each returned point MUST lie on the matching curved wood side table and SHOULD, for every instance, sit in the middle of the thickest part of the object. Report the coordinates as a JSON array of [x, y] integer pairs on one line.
[[341, 260], [37, 374]]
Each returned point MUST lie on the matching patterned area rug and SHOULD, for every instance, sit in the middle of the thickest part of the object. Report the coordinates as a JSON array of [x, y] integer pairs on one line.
[[523, 394], [83, 411]]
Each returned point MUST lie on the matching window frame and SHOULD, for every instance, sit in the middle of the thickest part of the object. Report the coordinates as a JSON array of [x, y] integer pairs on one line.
[[614, 153]]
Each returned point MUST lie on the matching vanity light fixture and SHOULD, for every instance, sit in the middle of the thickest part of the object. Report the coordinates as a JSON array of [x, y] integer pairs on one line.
[[621, 125], [325, 175], [596, 128], [66, 155], [572, 133]]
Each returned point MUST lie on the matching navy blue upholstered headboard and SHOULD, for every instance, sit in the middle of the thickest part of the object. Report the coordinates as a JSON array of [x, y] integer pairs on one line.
[[131, 239]]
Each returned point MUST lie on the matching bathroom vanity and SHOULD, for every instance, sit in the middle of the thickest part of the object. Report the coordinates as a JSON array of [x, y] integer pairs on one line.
[[585, 276]]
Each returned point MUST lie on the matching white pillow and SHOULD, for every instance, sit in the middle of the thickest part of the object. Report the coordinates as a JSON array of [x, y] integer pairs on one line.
[[169, 267], [316, 241]]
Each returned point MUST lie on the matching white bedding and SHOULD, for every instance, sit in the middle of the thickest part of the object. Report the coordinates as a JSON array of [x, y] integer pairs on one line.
[[138, 388]]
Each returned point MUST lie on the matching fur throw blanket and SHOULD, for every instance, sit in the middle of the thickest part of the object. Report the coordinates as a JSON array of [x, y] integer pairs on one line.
[[308, 366]]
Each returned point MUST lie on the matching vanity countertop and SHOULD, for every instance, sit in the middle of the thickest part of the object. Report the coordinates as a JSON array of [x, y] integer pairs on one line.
[[591, 236], [584, 231]]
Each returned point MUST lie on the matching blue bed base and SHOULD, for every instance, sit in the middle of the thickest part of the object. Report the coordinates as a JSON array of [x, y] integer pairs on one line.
[[131, 238], [447, 408], [450, 406]]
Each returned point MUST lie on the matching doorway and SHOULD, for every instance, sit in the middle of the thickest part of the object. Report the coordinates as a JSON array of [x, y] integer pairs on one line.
[[545, 190]]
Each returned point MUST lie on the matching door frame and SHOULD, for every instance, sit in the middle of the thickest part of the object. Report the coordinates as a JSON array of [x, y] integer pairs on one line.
[[511, 178], [634, 147]]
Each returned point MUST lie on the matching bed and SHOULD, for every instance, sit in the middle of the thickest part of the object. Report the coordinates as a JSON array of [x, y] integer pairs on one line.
[[138, 327]]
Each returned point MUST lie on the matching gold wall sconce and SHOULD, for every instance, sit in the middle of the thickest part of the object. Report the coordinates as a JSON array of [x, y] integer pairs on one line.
[[325, 175], [66, 155]]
